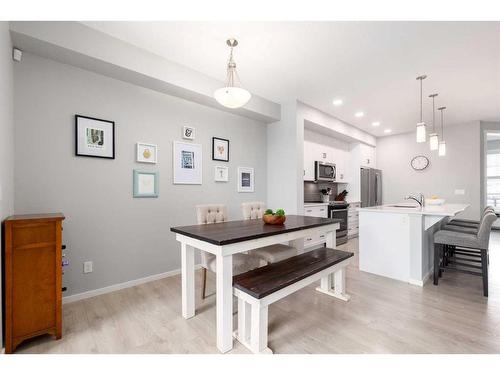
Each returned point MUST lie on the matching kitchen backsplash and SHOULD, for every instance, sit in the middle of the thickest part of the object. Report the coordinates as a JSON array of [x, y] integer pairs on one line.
[[312, 191]]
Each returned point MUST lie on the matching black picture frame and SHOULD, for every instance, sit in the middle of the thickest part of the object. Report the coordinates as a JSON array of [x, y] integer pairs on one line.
[[213, 149], [78, 152]]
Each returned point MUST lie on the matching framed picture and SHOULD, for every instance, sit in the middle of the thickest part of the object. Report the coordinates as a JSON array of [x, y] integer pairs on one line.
[[221, 174], [245, 180], [94, 137], [188, 163], [188, 132], [146, 184], [220, 149], [146, 153]]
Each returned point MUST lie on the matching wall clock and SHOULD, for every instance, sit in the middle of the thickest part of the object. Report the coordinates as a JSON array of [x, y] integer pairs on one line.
[[419, 162]]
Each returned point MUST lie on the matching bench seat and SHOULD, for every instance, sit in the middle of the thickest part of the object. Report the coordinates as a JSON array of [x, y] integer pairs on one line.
[[258, 288], [262, 281]]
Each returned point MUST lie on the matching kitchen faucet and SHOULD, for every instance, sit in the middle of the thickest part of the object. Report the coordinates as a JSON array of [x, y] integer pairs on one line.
[[420, 200]]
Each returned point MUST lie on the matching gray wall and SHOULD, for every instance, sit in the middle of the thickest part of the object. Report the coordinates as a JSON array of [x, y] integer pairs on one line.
[[126, 238], [6, 133], [459, 169]]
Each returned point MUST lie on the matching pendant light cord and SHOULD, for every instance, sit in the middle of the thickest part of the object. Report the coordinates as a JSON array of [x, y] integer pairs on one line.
[[421, 111], [433, 115], [442, 126]]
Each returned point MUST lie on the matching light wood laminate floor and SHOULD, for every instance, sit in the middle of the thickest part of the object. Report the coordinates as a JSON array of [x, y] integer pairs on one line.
[[383, 316]]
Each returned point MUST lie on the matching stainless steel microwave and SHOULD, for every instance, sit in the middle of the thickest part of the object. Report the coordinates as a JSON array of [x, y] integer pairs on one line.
[[324, 171]]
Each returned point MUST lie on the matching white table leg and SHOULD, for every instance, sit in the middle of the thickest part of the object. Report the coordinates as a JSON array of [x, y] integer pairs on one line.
[[187, 256], [244, 315], [331, 239], [224, 303], [258, 336], [339, 285]]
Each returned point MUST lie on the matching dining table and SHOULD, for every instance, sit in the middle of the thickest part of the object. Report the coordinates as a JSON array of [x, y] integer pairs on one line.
[[231, 237]]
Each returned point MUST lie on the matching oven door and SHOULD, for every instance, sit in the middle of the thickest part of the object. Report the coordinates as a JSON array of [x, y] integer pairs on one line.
[[340, 214]]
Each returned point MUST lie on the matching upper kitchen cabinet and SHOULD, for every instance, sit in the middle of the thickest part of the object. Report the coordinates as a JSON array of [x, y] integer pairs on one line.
[[363, 155], [318, 147]]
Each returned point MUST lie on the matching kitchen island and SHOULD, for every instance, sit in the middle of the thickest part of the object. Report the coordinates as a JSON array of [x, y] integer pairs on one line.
[[396, 240]]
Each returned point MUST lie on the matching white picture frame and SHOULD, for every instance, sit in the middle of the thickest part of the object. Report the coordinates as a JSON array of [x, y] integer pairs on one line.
[[246, 180], [146, 153], [188, 163], [188, 132], [221, 173]]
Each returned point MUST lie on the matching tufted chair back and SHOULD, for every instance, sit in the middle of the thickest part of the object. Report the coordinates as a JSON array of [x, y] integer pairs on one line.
[[253, 210], [483, 234], [211, 213]]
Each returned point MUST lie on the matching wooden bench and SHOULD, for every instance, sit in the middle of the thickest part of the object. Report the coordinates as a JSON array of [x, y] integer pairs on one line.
[[258, 288]]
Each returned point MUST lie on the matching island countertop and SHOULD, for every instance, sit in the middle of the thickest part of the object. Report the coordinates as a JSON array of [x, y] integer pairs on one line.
[[448, 209]]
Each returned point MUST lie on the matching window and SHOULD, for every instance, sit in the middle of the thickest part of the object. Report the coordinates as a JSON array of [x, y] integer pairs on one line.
[[493, 172]]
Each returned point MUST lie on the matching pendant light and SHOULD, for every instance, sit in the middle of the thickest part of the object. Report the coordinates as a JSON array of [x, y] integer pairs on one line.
[[442, 144], [433, 137], [421, 136], [232, 96]]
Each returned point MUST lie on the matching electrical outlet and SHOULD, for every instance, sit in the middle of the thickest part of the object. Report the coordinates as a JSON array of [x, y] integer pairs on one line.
[[87, 267], [459, 192]]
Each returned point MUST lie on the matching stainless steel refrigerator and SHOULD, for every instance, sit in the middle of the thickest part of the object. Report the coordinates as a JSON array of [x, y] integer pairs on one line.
[[371, 187]]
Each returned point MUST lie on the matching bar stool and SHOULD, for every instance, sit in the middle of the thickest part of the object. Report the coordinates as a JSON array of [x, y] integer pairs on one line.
[[467, 247], [471, 223], [268, 254], [465, 226]]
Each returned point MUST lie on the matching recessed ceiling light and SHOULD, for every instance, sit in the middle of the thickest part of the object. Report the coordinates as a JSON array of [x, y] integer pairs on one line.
[[387, 131], [376, 123], [359, 114], [338, 102]]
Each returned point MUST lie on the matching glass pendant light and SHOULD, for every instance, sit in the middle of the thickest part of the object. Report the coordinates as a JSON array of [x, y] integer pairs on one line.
[[421, 133], [442, 144], [433, 137], [232, 96]]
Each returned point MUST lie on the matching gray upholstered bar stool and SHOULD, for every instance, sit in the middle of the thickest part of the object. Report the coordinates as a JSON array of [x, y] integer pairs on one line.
[[272, 253], [217, 213], [467, 248], [471, 223], [466, 226]]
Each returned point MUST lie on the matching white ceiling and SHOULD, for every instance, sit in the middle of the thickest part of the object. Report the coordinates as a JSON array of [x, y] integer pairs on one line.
[[372, 66]]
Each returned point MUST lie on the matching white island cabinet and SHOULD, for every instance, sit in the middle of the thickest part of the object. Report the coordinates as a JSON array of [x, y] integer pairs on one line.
[[397, 242]]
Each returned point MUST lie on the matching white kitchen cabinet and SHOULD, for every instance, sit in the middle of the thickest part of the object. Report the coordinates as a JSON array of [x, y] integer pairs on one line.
[[367, 156], [309, 154], [318, 152], [353, 219], [320, 210], [316, 210], [341, 163]]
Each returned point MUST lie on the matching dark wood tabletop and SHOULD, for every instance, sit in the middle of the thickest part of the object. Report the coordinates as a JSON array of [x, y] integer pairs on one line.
[[243, 230]]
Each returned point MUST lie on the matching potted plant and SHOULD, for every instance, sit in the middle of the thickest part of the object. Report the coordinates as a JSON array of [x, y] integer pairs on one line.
[[274, 218]]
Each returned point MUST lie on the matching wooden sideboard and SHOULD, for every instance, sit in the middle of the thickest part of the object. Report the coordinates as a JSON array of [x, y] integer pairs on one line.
[[33, 277]]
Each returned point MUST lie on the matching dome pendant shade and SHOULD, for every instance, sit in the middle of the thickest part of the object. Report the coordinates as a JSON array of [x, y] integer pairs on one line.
[[442, 148], [433, 141], [232, 97], [421, 133]]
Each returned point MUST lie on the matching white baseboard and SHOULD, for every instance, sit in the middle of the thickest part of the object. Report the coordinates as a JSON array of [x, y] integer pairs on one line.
[[420, 282], [126, 284]]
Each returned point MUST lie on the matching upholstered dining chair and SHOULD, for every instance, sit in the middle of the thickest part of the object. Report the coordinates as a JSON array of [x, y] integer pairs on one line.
[[217, 213], [272, 253]]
